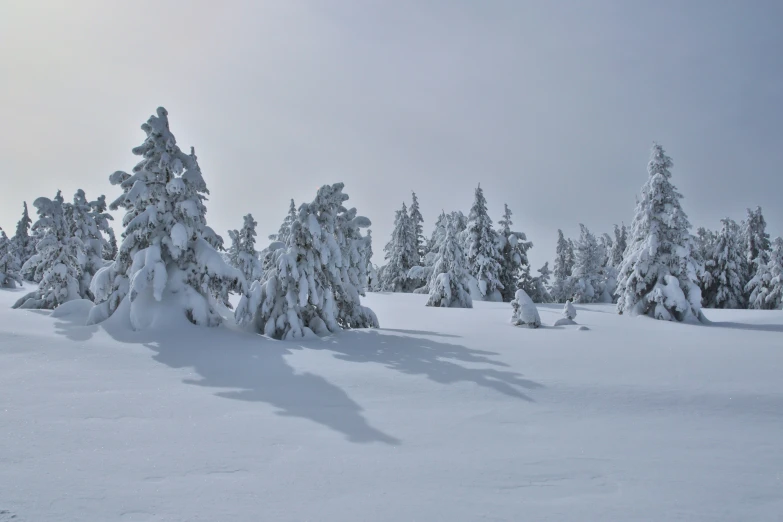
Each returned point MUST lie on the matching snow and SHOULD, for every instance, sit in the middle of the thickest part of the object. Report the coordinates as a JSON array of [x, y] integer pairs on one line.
[[443, 414]]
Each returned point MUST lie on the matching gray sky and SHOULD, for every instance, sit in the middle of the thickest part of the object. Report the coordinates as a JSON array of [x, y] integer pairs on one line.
[[552, 106]]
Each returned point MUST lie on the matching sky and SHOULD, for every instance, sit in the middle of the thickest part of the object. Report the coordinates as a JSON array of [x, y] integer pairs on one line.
[[551, 106]]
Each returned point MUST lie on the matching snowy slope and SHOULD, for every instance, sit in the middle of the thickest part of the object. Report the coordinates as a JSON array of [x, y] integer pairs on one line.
[[441, 415]]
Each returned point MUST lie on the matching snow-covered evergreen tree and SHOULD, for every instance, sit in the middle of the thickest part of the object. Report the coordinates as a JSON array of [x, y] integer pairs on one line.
[[756, 243], [58, 260], [168, 258], [525, 312], [306, 290], [774, 298], [9, 262], [564, 256], [514, 265], [85, 227], [23, 243], [619, 245], [400, 254], [586, 281], [540, 287], [484, 258], [354, 251], [417, 222], [285, 229], [658, 275], [725, 265], [370, 273], [449, 283], [99, 213], [242, 253]]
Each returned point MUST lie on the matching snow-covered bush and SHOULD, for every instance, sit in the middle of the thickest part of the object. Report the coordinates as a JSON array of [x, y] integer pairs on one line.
[[310, 286], [57, 262], [9, 263], [449, 280], [525, 312], [658, 275], [168, 256], [481, 249], [513, 247], [569, 312]]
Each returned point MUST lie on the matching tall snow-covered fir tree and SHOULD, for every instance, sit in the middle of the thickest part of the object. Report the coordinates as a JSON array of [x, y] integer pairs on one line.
[[658, 276], [725, 287], [774, 297], [449, 282], [168, 259], [285, 228], [85, 227], [309, 288], [618, 245], [102, 218], [23, 243], [756, 245], [513, 247], [9, 263], [540, 285], [57, 262], [242, 252], [483, 256], [417, 222], [586, 281], [564, 256], [762, 292], [401, 255]]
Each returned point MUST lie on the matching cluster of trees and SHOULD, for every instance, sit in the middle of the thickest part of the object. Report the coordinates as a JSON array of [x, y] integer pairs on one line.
[[309, 280]]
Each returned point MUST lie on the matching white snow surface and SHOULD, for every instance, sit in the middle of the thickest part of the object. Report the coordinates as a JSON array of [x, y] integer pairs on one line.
[[443, 414]]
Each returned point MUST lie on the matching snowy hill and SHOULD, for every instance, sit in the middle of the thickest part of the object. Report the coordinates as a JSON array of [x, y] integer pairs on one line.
[[440, 415]]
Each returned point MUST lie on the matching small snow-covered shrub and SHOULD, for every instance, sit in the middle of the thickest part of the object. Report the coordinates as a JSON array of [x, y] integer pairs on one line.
[[525, 311]]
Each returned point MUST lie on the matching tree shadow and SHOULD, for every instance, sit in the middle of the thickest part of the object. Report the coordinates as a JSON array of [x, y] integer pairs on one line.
[[422, 332], [438, 361], [748, 326]]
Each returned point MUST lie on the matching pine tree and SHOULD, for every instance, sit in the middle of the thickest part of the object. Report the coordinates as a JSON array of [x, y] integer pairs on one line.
[[514, 265], [417, 222], [756, 244], [619, 245], [561, 290], [449, 284], [247, 260], [102, 218], [9, 263], [22, 243], [400, 254], [285, 229], [57, 263], [725, 265], [306, 290], [540, 285], [774, 298], [168, 258], [483, 256], [586, 279], [658, 276], [84, 222]]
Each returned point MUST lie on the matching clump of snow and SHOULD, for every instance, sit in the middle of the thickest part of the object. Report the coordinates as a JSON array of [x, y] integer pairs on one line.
[[525, 311], [569, 312]]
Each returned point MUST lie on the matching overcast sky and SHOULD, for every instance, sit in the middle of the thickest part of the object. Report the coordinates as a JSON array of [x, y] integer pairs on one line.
[[551, 105]]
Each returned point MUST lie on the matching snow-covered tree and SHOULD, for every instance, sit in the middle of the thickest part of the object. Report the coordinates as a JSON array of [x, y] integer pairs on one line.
[[417, 222], [401, 255], [85, 218], [99, 213], [619, 244], [756, 243], [564, 256], [484, 258], [23, 243], [725, 266], [242, 253], [658, 275], [540, 285], [57, 262], [586, 281], [370, 272], [354, 251], [168, 258], [285, 229], [306, 290], [774, 298], [525, 312], [9, 262], [514, 265], [449, 283]]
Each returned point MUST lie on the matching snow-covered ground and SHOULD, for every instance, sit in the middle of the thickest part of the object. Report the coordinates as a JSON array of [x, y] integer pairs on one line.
[[440, 415]]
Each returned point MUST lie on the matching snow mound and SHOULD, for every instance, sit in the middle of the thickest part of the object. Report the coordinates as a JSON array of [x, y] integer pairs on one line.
[[76, 310], [564, 321]]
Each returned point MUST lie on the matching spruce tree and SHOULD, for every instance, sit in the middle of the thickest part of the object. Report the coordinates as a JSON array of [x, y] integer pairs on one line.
[[774, 298], [22, 243], [586, 279], [619, 245], [168, 258], [756, 244], [562, 270], [85, 226], [57, 263], [658, 276], [725, 265], [449, 283], [514, 264], [417, 222], [247, 260], [285, 229], [9, 263], [483, 255], [400, 254]]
